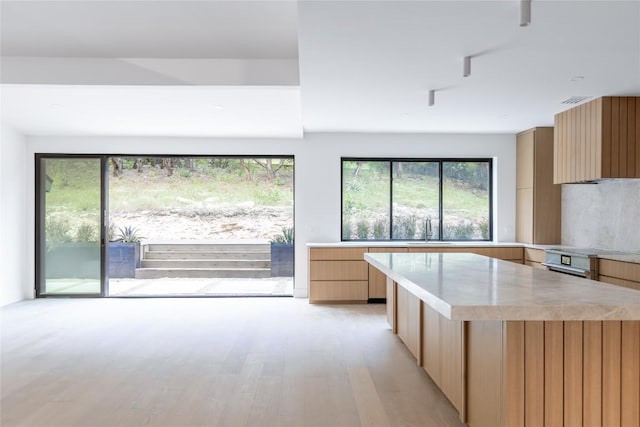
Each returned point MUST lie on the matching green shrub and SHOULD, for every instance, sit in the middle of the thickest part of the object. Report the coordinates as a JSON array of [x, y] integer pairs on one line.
[[484, 228], [347, 231], [57, 230], [405, 227], [461, 231], [86, 233], [362, 229], [268, 197], [128, 234], [285, 237], [379, 229]]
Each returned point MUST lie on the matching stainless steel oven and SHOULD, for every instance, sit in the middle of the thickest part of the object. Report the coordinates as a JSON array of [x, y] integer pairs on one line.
[[575, 262]]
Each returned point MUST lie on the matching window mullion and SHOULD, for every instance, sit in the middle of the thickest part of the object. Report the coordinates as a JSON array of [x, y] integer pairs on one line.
[[440, 210]]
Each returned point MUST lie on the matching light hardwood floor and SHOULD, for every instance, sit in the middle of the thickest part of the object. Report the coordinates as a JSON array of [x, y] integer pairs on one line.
[[210, 362]]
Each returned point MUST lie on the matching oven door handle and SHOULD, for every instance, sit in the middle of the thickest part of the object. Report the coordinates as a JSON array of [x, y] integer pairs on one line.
[[568, 270]]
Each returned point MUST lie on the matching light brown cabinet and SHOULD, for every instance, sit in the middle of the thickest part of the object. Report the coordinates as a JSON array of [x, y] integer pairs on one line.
[[537, 197], [534, 258], [599, 139], [619, 273], [338, 275]]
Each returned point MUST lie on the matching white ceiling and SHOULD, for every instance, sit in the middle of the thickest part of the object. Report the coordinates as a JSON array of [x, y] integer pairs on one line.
[[363, 65]]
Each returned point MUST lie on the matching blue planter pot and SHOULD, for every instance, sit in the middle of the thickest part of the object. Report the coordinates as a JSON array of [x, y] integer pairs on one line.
[[124, 258], [281, 259]]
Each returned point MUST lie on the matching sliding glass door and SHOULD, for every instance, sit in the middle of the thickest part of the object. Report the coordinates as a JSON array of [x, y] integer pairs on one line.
[[70, 232]]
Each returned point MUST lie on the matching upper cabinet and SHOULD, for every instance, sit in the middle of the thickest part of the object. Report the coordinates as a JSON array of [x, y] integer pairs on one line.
[[537, 198], [598, 140]]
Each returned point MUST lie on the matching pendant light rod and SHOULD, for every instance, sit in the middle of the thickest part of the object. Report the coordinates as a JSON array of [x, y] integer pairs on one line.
[[432, 97], [525, 12], [466, 66]]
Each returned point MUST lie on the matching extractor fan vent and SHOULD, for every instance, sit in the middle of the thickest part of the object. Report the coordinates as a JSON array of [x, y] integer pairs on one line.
[[576, 99]]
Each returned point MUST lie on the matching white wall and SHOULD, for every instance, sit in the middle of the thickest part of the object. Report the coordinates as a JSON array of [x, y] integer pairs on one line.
[[604, 215], [317, 170], [15, 226]]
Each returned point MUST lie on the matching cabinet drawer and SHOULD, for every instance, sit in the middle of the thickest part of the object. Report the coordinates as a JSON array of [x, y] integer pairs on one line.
[[338, 291], [319, 254], [619, 269], [536, 255], [508, 254], [339, 270], [620, 282]]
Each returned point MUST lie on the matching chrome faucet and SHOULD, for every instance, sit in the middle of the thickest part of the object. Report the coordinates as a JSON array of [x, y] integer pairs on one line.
[[427, 229]]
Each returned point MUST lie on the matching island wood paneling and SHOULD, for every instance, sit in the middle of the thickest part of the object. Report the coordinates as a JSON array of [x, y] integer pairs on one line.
[[598, 139], [591, 374], [533, 378], [513, 379], [553, 373], [408, 319], [592, 368], [484, 373], [452, 360], [431, 344], [611, 355]]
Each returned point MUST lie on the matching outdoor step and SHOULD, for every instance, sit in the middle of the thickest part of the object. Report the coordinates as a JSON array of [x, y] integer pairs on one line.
[[217, 255], [194, 247], [157, 273], [206, 263]]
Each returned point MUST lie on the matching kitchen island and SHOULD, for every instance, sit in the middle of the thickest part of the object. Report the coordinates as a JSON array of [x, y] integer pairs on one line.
[[511, 345]]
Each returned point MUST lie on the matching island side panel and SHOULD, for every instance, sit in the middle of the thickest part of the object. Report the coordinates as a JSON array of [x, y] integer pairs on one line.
[[391, 305], [484, 371]]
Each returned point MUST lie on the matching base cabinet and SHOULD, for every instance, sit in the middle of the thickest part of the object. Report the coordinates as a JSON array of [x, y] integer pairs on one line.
[[338, 275], [525, 373], [626, 274]]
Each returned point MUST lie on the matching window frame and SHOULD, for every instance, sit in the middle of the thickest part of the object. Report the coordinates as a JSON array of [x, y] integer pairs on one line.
[[440, 161]]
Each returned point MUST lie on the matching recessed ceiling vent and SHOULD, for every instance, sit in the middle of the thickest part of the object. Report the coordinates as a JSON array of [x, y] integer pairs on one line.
[[576, 99]]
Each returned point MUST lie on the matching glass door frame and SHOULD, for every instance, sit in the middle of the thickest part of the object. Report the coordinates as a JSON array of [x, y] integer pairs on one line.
[[40, 243]]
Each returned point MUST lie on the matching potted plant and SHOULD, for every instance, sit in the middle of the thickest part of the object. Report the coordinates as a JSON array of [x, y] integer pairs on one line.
[[282, 253], [124, 253]]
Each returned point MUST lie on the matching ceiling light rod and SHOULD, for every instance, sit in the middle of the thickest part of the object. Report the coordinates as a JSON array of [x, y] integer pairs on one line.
[[432, 97], [525, 12], [466, 66]]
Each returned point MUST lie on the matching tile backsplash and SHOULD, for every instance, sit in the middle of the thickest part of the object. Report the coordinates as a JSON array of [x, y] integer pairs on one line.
[[604, 215]]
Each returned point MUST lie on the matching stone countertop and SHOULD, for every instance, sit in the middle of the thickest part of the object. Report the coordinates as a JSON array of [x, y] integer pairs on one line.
[[621, 256], [463, 286], [417, 244]]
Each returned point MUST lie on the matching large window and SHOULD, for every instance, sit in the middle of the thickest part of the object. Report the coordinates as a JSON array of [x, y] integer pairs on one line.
[[412, 199]]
